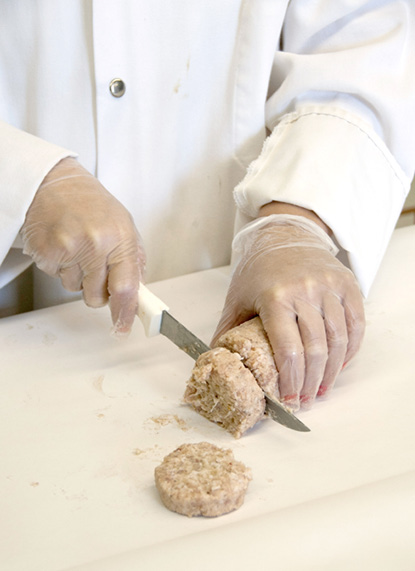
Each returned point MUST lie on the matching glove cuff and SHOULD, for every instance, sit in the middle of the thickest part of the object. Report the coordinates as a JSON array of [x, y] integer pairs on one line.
[[321, 238]]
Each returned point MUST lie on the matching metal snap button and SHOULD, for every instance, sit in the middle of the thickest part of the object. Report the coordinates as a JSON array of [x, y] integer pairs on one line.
[[117, 87]]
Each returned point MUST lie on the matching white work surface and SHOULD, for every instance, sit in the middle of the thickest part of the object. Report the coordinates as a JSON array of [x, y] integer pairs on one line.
[[85, 418]]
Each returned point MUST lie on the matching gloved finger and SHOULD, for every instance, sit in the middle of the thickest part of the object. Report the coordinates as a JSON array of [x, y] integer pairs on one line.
[[71, 278], [95, 288], [232, 316], [50, 266], [123, 283], [337, 339], [313, 336], [355, 321], [225, 323], [281, 327], [58, 244]]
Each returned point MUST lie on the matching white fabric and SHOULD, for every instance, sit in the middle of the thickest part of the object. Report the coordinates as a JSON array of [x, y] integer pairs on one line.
[[360, 203], [204, 80]]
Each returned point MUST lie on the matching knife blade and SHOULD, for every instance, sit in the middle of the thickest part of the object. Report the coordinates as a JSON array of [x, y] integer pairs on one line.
[[156, 319]]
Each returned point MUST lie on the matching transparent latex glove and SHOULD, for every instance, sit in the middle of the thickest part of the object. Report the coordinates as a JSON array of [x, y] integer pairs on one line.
[[77, 231], [309, 303]]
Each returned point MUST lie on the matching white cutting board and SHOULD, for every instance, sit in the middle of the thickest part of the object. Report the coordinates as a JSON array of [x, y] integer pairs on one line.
[[85, 418]]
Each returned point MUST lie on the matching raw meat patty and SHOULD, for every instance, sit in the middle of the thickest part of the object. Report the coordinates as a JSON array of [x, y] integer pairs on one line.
[[250, 341], [223, 390], [202, 479]]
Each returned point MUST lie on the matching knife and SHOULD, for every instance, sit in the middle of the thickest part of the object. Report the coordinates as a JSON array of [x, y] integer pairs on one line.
[[155, 317]]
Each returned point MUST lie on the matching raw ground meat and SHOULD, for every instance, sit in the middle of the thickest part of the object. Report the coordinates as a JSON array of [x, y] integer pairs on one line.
[[202, 479], [223, 390], [250, 341]]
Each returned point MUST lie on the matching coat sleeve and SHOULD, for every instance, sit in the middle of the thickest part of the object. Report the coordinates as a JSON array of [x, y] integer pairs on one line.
[[19, 185], [341, 111]]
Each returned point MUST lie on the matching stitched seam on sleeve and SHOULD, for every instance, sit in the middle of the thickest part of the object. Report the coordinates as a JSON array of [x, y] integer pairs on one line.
[[378, 143]]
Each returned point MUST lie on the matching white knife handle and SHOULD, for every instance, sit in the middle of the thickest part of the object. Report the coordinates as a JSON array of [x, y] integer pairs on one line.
[[150, 311]]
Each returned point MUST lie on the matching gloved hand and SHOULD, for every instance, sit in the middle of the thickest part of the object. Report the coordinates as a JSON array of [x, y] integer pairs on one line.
[[309, 303], [77, 231]]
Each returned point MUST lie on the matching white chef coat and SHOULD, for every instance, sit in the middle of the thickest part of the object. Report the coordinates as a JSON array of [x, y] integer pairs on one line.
[[331, 81]]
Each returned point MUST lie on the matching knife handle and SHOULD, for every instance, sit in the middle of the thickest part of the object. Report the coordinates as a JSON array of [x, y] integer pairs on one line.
[[150, 311]]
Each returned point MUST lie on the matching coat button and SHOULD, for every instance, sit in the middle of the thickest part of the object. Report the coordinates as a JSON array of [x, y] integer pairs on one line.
[[117, 87]]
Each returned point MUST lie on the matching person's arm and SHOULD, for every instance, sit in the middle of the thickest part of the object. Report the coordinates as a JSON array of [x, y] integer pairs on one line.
[[341, 113], [339, 161], [286, 208]]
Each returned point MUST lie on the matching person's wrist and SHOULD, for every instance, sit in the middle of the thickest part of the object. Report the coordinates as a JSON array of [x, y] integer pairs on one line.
[[286, 208]]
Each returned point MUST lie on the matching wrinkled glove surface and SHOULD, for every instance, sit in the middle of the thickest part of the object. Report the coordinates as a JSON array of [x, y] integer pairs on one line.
[[309, 303], [77, 231]]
